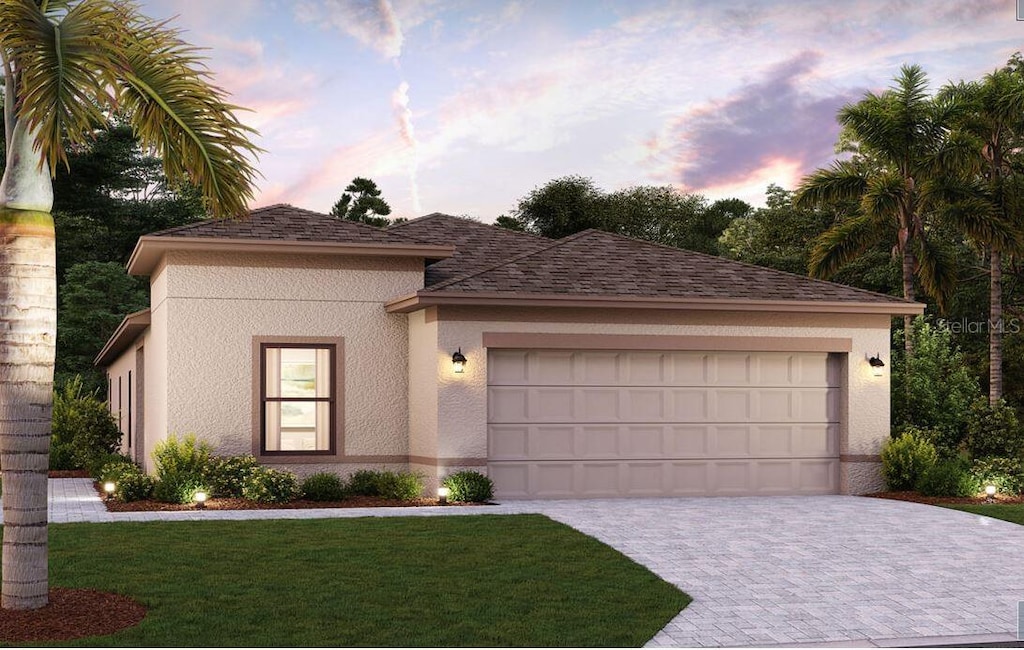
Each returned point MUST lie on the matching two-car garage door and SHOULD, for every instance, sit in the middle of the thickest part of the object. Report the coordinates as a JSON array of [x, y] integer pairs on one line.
[[607, 423]]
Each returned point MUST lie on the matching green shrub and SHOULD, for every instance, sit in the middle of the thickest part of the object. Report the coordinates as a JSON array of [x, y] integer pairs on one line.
[[134, 484], [62, 456], [265, 485], [994, 430], [181, 468], [115, 469], [469, 486], [323, 486], [1007, 474], [949, 478], [226, 475], [98, 464], [906, 458], [82, 427], [403, 486]]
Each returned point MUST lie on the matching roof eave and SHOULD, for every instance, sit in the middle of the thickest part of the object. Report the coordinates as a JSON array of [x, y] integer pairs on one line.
[[423, 299], [130, 328], [149, 249]]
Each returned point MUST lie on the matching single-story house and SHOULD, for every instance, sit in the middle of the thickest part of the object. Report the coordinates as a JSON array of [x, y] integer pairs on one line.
[[590, 366]]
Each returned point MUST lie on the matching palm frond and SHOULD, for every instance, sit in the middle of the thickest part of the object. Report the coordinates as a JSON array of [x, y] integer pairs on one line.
[[176, 111], [936, 269], [841, 182], [884, 196], [842, 244]]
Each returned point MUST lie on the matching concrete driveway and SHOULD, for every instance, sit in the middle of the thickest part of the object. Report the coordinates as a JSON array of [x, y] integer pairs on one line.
[[791, 570]]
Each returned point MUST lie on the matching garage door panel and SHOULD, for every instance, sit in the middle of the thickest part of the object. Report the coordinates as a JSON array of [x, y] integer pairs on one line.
[[507, 367], [600, 479], [646, 369], [687, 369], [689, 441], [599, 404]]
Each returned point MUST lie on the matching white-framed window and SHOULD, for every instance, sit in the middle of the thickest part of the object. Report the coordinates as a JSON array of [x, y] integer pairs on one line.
[[298, 391]]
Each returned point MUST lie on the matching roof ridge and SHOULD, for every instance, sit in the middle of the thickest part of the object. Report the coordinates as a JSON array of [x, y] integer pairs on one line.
[[472, 220], [727, 260], [459, 278]]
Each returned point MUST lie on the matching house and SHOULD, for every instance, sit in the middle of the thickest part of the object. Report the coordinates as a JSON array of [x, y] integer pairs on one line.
[[594, 365]]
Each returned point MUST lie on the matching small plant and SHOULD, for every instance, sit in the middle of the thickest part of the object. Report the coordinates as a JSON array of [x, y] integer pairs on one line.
[[83, 428], [469, 486], [114, 469], [994, 431], [102, 463], [949, 478], [403, 486], [226, 475], [134, 485], [1007, 474], [323, 486], [265, 485], [181, 468], [906, 458]]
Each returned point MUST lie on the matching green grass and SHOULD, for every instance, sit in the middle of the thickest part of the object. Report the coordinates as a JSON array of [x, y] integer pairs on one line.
[[1008, 511], [483, 580]]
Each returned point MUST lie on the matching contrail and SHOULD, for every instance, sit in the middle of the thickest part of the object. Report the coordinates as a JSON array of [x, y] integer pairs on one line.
[[400, 105]]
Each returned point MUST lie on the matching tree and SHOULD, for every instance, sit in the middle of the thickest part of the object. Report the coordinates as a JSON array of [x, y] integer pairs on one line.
[[562, 207], [361, 202], [897, 137], [66, 65]]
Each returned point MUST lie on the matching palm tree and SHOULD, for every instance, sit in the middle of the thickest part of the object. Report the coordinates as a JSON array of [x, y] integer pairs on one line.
[[991, 119], [896, 136], [66, 65]]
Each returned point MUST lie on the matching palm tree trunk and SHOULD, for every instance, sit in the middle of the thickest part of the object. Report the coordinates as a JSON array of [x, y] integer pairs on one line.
[[908, 293], [28, 311], [995, 328]]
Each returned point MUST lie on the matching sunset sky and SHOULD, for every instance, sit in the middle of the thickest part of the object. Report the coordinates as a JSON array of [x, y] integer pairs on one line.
[[464, 106]]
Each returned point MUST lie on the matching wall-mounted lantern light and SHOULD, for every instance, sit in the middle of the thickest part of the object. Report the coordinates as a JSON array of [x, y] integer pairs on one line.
[[109, 488], [442, 495], [876, 365], [200, 499], [459, 361]]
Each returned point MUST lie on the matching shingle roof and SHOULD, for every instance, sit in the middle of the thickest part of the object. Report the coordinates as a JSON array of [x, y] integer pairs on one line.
[[477, 245], [286, 223], [596, 263]]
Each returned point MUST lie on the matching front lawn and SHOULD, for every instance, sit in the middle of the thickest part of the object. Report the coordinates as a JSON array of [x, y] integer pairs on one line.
[[479, 580], [1010, 512]]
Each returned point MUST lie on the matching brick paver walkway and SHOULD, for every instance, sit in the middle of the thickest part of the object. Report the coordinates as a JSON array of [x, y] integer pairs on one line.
[[763, 570]]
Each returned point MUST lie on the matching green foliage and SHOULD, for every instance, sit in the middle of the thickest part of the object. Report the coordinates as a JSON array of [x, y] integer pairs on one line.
[[950, 477], [134, 484], [265, 485], [181, 467], [82, 426], [115, 468], [469, 486], [62, 456], [361, 202], [1007, 474], [225, 475], [97, 463], [934, 388], [323, 486], [906, 458], [403, 486], [994, 430]]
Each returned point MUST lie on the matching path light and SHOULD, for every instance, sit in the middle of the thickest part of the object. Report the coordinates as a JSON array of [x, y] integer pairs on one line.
[[109, 488], [459, 361], [990, 493], [876, 365], [200, 499], [442, 495]]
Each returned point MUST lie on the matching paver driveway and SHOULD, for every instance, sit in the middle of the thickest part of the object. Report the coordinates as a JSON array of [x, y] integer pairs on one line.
[[785, 570]]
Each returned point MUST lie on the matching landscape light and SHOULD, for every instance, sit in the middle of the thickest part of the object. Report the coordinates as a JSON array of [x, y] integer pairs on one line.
[[442, 495], [200, 499], [990, 493], [109, 488]]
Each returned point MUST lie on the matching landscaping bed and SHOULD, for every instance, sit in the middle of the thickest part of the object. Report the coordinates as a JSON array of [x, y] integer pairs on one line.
[[917, 497]]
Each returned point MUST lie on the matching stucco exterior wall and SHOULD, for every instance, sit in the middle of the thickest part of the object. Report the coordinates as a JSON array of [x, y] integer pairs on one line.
[[216, 304], [119, 383], [155, 353], [462, 398]]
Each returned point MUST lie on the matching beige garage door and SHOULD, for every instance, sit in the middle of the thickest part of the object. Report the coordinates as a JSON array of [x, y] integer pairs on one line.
[[581, 423]]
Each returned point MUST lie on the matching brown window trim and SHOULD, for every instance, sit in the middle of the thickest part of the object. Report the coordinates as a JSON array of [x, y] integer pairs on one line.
[[337, 438]]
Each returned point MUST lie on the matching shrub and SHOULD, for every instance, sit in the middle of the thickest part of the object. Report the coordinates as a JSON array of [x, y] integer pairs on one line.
[[1007, 474], [994, 430], [62, 456], [403, 486], [323, 486], [82, 427], [115, 469], [98, 464], [469, 486], [181, 468], [949, 478], [225, 475], [134, 484], [265, 485], [906, 458]]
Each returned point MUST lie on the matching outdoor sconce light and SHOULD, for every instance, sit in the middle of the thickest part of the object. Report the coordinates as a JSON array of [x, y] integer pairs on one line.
[[200, 499], [990, 493], [442, 495], [876, 365], [459, 361], [109, 488]]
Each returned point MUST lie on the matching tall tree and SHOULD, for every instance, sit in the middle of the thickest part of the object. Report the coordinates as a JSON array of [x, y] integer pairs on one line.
[[897, 137], [66, 64], [991, 116], [361, 202]]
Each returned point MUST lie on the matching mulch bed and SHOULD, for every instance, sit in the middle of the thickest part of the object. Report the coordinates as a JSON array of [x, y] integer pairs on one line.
[[71, 614], [68, 473], [920, 498]]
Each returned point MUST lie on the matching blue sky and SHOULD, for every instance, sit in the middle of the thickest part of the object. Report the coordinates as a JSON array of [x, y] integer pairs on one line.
[[464, 106]]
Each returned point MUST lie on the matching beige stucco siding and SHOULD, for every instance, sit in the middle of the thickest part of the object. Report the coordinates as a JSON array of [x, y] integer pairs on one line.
[[216, 305], [118, 383]]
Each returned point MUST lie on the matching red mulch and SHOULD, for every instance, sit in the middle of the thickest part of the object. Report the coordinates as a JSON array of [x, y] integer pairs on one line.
[[920, 498], [69, 473], [71, 614]]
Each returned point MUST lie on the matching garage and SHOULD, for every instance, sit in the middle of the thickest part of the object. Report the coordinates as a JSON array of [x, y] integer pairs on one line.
[[624, 423]]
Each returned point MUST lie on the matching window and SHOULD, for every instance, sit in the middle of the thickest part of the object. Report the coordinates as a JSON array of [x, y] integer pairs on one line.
[[297, 394]]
